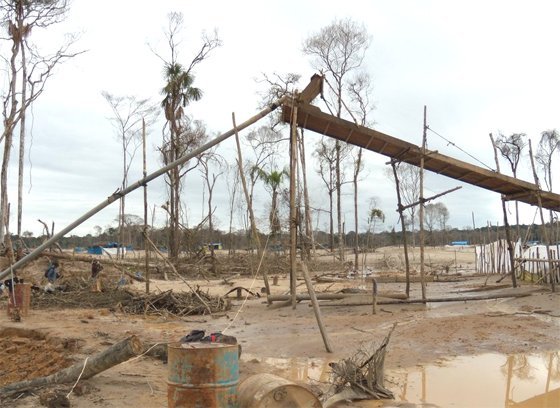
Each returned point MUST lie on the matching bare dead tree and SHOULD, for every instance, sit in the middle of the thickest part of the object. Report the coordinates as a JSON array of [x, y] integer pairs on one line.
[[409, 186], [128, 114], [212, 166], [360, 90], [504, 211], [337, 50], [548, 146], [233, 186], [28, 70], [436, 216], [180, 134], [511, 147], [277, 86], [326, 158]]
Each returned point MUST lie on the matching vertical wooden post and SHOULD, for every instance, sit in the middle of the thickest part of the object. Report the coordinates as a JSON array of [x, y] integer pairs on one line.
[[255, 234], [293, 213], [551, 269], [146, 244], [316, 309], [421, 210], [374, 295], [405, 245]]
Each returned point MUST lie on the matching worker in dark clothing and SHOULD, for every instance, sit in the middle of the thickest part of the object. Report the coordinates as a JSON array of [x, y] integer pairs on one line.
[[52, 272], [96, 269]]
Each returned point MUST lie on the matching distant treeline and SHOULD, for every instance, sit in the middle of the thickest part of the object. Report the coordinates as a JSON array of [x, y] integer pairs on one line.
[[240, 240]]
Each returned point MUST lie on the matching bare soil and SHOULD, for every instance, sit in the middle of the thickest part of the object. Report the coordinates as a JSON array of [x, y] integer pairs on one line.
[[52, 338]]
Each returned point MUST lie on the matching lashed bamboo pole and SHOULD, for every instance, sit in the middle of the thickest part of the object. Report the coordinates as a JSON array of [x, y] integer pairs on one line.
[[118, 194]]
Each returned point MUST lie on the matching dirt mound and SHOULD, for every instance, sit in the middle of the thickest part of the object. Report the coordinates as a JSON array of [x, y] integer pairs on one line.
[[27, 354]]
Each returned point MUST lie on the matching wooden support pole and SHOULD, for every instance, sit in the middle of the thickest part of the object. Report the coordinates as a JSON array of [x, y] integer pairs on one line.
[[145, 233], [254, 232], [425, 200], [316, 309], [293, 214], [374, 295], [421, 210]]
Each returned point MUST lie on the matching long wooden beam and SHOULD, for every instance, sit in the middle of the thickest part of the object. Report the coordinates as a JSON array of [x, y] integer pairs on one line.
[[312, 118]]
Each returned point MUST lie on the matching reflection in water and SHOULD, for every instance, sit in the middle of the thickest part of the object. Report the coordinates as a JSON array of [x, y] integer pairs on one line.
[[489, 380]]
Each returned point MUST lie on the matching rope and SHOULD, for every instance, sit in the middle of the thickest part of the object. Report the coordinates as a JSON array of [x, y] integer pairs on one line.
[[449, 142], [79, 377]]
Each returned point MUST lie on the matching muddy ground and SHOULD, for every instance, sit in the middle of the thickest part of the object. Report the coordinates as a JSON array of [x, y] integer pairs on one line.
[[282, 340]]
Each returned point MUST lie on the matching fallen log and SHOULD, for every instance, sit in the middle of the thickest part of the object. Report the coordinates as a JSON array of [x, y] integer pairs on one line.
[[116, 354], [433, 300], [485, 288], [334, 296]]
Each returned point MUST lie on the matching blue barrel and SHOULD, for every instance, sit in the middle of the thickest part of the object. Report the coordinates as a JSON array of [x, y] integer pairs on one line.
[[202, 375]]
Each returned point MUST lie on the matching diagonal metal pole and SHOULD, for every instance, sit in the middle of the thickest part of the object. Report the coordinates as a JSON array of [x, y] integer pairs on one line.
[[140, 183]]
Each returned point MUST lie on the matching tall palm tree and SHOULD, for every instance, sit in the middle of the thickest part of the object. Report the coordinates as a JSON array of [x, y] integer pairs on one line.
[[273, 181], [178, 93]]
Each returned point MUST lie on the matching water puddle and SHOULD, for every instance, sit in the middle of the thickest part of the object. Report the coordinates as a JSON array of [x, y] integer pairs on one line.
[[488, 380]]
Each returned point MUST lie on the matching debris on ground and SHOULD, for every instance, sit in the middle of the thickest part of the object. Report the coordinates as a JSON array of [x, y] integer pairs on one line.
[[360, 376], [165, 303]]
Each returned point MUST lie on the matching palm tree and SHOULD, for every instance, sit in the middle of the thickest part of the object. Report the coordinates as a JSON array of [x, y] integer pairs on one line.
[[272, 182], [178, 93]]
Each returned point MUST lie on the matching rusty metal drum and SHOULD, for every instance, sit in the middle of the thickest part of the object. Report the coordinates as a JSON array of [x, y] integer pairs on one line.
[[20, 298], [270, 391], [202, 375]]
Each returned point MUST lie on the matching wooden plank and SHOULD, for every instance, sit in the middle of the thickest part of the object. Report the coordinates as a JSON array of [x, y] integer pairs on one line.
[[390, 146]]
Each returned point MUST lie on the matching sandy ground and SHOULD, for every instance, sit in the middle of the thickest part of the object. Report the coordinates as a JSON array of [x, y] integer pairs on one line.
[[277, 339]]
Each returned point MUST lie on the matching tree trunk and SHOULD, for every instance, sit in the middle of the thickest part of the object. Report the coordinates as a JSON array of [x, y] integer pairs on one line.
[[10, 120], [331, 224], [506, 223], [145, 234], [308, 223], [98, 363], [356, 173], [405, 245], [339, 203], [21, 142]]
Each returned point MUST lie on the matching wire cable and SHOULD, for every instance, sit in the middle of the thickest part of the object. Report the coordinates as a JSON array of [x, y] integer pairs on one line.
[[449, 142]]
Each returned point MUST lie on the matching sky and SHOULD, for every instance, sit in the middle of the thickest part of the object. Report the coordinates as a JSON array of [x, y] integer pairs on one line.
[[478, 66]]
